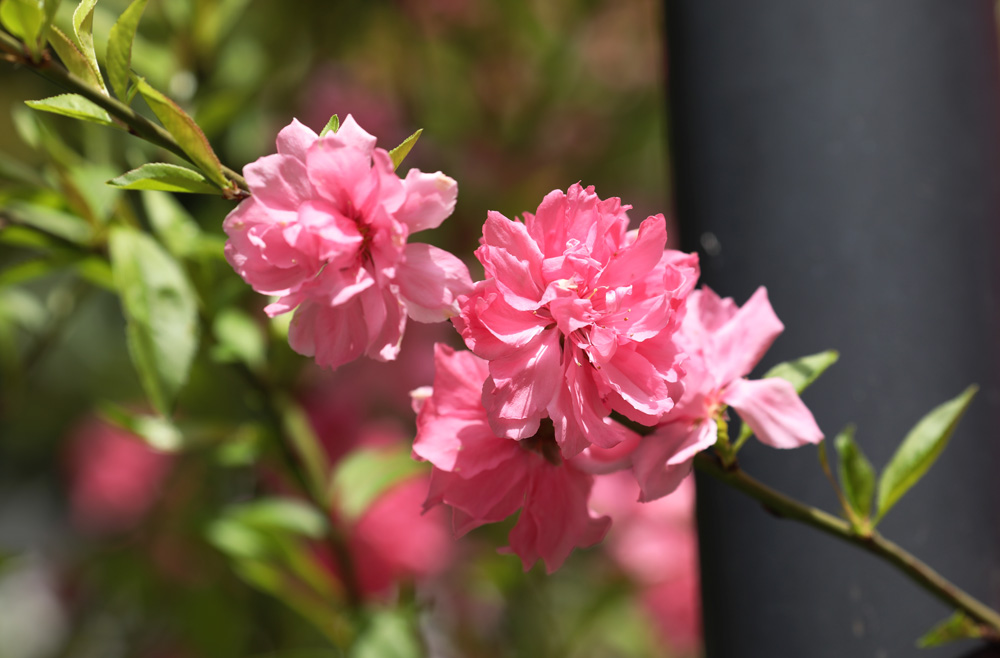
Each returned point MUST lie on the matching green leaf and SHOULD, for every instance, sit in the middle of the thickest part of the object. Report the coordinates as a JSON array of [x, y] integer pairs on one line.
[[83, 30], [187, 133], [390, 633], [164, 177], [35, 268], [857, 476], [157, 432], [29, 20], [75, 106], [804, 371], [161, 314], [956, 627], [119, 55], [239, 338], [72, 58], [56, 222], [920, 449], [365, 474], [332, 126], [289, 515], [172, 224], [400, 152]]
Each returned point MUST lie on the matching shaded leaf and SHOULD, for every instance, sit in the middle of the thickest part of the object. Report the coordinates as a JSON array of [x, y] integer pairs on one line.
[[172, 224], [921, 447], [164, 177], [361, 477], [83, 30], [332, 126], [390, 633], [184, 129], [56, 222], [399, 153], [75, 106], [119, 55], [857, 476], [954, 628], [160, 311], [239, 338]]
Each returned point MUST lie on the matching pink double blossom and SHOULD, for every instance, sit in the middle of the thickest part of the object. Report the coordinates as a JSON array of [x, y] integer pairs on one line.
[[485, 478], [325, 231], [576, 319], [724, 343]]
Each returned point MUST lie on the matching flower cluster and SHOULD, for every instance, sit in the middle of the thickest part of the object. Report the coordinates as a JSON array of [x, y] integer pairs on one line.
[[581, 330], [325, 231]]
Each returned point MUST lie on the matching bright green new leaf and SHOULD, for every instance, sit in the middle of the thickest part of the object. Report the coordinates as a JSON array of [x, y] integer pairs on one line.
[[72, 58], [954, 628], [158, 432], [83, 30], [161, 314], [164, 177], [73, 105], [399, 153], [239, 338], [390, 633], [857, 477], [365, 474], [29, 20], [800, 373], [920, 449], [187, 133], [332, 126], [119, 55]]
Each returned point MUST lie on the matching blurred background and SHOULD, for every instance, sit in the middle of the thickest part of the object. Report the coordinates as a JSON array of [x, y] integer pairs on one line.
[[110, 548]]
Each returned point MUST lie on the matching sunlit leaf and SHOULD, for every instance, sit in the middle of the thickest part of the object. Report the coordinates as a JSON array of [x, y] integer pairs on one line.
[[119, 55], [361, 477], [187, 133], [390, 633], [920, 449], [239, 338], [157, 432], [954, 628], [72, 57], [399, 153], [161, 314], [75, 106], [29, 20], [83, 30], [164, 177], [332, 126]]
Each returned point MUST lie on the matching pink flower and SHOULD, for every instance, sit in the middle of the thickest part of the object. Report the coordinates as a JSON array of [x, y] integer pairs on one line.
[[485, 478], [325, 231], [656, 545], [394, 540], [724, 344], [576, 319], [115, 478]]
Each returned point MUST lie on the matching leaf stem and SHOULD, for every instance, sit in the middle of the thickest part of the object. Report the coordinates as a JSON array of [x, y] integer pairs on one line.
[[136, 124], [783, 506]]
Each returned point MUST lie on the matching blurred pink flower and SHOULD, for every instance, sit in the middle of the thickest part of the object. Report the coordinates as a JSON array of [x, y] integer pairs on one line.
[[114, 478], [395, 540], [724, 343], [325, 231], [485, 478], [576, 319], [656, 544]]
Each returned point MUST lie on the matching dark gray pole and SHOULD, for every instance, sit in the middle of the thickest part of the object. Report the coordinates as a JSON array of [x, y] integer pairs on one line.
[[846, 155]]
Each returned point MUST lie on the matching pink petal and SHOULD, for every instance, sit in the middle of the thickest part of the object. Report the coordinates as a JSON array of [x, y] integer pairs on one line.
[[663, 459], [510, 256], [341, 173], [556, 518], [385, 318], [279, 182], [524, 382], [295, 139], [430, 281], [600, 461], [490, 326], [639, 257], [491, 496], [641, 386], [742, 341], [333, 335], [774, 412], [430, 199], [351, 134]]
